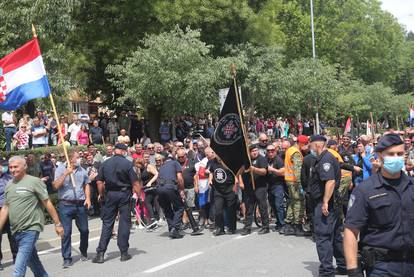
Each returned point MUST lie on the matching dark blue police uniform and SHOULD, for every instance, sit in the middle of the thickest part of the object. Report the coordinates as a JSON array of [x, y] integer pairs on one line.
[[327, 229], [169, 197], [383, 210], [118, 174]]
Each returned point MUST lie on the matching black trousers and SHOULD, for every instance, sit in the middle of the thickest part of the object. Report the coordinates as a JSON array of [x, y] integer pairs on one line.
[[150, 202], [12, 241], [172, 205], [116, 201], [259, 195], [225, 201]]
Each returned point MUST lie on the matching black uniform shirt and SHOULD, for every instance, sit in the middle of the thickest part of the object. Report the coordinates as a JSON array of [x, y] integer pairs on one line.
[[326, 168], [168, 171], [383, 213], [223, 179], [117, 172]]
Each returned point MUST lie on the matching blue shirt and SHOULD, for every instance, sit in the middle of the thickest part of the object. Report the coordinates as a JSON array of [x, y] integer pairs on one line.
[[67, 191], [4, 179], [169, 170]]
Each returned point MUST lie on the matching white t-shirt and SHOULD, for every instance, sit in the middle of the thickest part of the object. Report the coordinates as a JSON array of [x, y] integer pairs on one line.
[[73, 130], [7, 116]]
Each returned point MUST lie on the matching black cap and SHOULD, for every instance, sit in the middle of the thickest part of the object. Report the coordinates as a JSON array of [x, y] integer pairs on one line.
[[317, 138], [331, 142], [253, 146], [121, 146], [388, 141]]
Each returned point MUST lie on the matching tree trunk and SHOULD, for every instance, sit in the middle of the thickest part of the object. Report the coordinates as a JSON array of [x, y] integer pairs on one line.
[[154, 121]]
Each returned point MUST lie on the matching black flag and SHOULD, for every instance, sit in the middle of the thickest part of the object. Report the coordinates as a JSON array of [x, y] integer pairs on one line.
[[228, 140]]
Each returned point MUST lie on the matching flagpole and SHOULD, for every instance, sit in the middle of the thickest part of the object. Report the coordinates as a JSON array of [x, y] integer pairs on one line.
[[233, 73], [62, 139]]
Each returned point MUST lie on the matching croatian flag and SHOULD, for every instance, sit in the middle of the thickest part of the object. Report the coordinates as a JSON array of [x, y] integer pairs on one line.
[[22, 76]]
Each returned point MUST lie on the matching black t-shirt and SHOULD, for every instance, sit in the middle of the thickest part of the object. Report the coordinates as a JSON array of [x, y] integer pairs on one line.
[[273, 179], [223, 179], [259, 180], [189, 171]]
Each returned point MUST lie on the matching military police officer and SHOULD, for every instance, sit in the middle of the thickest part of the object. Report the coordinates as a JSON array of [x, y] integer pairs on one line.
[[381, 212], [170, 190], [325, 179], [116, 181]]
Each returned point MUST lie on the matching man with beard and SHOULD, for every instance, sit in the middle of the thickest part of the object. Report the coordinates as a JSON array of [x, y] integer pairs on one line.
[[256, 191], [92, 169], [263, 142]]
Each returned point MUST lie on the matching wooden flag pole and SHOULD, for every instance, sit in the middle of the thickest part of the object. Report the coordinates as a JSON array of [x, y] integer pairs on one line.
[[234, 73], [62, 139]]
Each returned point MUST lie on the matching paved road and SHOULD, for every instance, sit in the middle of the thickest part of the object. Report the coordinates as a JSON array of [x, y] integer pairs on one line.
[[154, 254]]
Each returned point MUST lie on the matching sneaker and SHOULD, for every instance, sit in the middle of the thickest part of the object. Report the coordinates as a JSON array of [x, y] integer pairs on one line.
[[140, 227], [245, 231], [185, 226], [282, 229], [300, 232], [263, 231], [231, 232], [67, 264], [175, 234]]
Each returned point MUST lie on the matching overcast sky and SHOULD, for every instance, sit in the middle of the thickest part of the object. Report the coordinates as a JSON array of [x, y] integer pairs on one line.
[[403, 10]]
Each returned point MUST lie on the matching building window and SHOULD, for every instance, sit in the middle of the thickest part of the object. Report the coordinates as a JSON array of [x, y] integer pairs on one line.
[[75, 107]]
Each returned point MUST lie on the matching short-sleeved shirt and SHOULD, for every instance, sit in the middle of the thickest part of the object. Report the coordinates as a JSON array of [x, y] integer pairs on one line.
[[168, 171], [189, 171], [383, 211], [73, 130], [24, 199], [41, 140], [96, 134], [273, 179], [260, 180], [223, 179], [117, 172], [67, 191]]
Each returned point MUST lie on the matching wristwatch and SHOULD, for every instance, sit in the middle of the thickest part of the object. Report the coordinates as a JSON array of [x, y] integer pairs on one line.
[[59, 225]]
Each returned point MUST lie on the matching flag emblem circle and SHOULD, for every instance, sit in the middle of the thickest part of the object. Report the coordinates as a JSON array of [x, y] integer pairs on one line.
[[220, 175], [228, 130]]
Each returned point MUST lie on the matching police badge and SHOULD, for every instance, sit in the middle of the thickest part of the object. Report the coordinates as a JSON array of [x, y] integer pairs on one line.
[[228, 130], [326, 166]]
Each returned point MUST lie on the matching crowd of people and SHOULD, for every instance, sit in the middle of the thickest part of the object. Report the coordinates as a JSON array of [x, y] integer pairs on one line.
[[180, 176]]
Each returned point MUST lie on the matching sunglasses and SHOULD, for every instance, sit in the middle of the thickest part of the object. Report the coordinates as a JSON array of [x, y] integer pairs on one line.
[[180, 157], [270, 150], [265, 140], [150, 148]]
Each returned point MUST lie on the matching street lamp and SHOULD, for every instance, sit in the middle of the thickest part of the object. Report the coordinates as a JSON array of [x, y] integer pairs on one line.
[[314, 58]]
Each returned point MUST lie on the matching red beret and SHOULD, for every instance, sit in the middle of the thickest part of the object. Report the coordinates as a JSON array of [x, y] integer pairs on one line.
[[302, 139]]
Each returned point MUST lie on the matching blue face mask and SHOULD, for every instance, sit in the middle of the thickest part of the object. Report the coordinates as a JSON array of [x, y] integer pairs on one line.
[[4, 169], [313, 153], [393, 165]]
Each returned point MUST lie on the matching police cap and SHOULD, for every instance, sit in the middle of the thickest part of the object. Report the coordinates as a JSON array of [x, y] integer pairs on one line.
[[317, 138], [331, 142], [121, 146], [253, 146], [388, 141]]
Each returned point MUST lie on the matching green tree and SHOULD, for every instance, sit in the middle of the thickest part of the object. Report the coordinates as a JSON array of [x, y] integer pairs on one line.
[[171, 74]]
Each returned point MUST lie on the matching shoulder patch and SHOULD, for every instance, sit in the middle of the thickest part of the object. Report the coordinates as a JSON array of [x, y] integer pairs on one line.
[[351, 201], [326, 166]]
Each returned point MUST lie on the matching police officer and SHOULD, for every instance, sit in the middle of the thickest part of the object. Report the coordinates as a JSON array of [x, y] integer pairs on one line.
[[325, 179], [381, 212], [116, 181], [170, 190]]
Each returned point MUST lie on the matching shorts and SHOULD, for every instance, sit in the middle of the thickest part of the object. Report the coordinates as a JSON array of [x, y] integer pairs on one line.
[[190, 197]]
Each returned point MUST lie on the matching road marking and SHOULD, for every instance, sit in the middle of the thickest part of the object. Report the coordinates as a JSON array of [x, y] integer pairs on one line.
[[241, 237], [173, 262]]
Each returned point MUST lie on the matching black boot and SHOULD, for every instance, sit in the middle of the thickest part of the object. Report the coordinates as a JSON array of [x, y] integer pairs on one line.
[[218, 232], [289, 230], [246, 231], [99, 258], [125, 256]]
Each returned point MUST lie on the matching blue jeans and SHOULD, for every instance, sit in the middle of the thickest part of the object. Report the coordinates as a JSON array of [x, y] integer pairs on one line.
[[9, 132], [27, 255], [278, 193], [67, 213]]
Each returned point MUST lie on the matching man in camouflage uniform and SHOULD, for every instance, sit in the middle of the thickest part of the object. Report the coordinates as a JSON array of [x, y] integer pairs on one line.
[[296, 206]]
